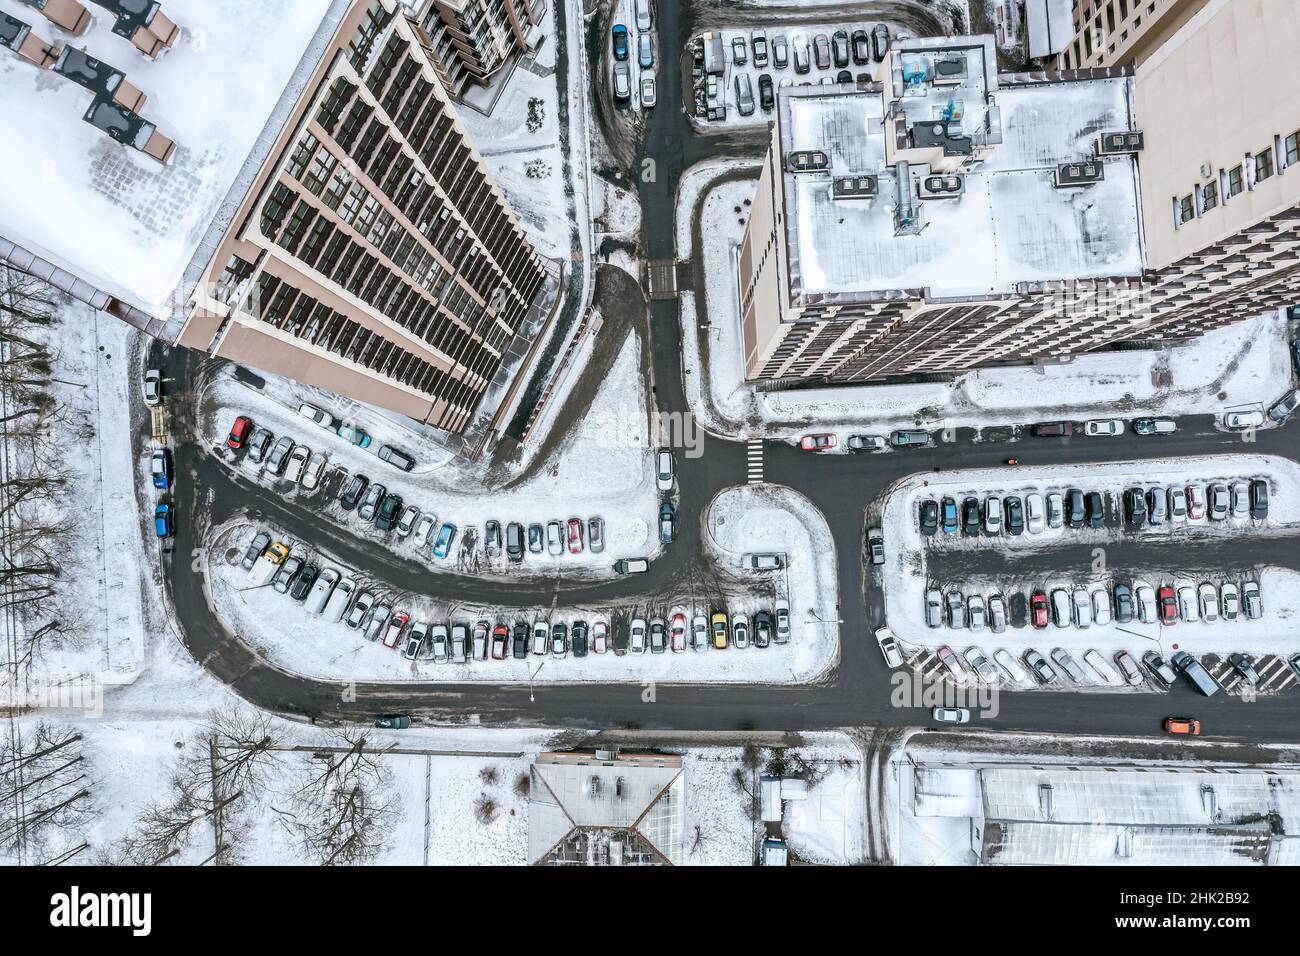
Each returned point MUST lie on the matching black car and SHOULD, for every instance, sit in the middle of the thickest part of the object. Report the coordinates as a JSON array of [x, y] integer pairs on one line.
[[1295, 355], [1053, 430], [1123, 604], [1015, 514], [844, 76], [929, 517], [1094, 509], [353, 491], [519, 646], [387, 512], [765, 97], [840, 48], [762, 629], [1259, 499], [880, 40], [578, 638], [393, 722], [1244, 666], [302, 583], [861, 47], [396, 457], [1135, 507], [1074, 508], [971, 517]]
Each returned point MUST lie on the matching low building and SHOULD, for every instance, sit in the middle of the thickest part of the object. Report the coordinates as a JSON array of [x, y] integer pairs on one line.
[[606, 809]]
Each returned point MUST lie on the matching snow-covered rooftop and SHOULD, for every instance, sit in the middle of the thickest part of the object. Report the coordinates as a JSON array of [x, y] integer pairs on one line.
[[1010, 225], [109, 214]]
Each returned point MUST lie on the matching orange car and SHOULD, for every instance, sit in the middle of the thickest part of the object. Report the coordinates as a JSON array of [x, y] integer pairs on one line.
[[1182, 725]]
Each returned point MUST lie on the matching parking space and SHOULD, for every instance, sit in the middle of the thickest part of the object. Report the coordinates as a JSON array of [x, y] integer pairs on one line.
[[634, 55]]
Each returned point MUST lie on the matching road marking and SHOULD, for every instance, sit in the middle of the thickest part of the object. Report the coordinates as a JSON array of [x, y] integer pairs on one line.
[[661, 278], [754, 460]]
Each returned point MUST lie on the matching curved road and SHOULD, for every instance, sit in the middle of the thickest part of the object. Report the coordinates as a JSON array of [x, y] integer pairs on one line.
[[856, 693]]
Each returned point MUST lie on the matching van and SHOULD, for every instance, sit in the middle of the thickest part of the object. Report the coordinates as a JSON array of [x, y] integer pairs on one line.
[[904, 437], [515, 541], [340, 598], [744, 95], [396, 458], [1196, 673], [632, 566], [268, 565], [763, 562]]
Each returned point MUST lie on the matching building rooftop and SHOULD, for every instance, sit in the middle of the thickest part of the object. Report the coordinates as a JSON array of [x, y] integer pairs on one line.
[[945, 113], [111, 215]]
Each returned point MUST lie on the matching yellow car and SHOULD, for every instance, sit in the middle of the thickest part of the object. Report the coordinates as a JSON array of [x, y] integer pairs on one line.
[[277, 552], [720, 631]]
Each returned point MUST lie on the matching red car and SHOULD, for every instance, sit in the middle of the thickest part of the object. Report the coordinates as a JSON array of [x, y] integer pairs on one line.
[[1195, 503], [678, 629], [1038, 609], [500, 634], [1167, 604], [396, 625], [818, 442], [239, 431], [599, 637], [575, 536], [1182, 725]]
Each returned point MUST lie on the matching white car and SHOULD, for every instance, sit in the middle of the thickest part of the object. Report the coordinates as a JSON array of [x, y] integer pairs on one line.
[[1243, 419], [1104, 427], [1009, 666], [406, 520], [1082, 608], [648, 94], [541, 636], [1061, 607], [1146, 604], [296, 463], [643, 15], [1208, 595], [1101, 607], [975, 612], [320, 592], [636, 640], [1129, 668], [1187, 609], [782, 635], [1253, 600], [1230, 601], [311, 474], [700, 632], [1055, 509], [993, 515], [664, 470], [1177, 505], [888, 647], [1098, 664], [554, 539], [317, 415], [980, 665], [950, 715], [153, 387], [997, 613], [426, 524], [1035, 516], [1240, 500]]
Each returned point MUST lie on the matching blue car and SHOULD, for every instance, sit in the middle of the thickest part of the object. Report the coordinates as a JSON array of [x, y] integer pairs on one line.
[[667, 523], [949, 516], [620, 41], [160, 466], [163, 525], [446, 534], [645, 51], [355, 435]]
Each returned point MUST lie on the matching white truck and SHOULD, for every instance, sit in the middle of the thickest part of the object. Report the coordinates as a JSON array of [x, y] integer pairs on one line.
[[264, 568]]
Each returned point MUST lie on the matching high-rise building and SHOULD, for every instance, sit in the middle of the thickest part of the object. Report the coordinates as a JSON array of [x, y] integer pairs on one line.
[[1122, 32], [470, 40], [315, 209], [949, 218]]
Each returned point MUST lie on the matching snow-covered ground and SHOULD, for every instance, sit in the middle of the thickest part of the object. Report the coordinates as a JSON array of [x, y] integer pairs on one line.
[[741, 521], [906, 573], [1246, 365], [602, 469]]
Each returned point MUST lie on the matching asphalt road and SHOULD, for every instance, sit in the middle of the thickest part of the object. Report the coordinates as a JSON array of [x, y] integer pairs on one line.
[[856, 693]]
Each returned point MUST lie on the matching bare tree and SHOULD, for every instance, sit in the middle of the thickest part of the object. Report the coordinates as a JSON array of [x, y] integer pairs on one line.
[[44, 789], [343, 813], [523, 784], [485, 809]]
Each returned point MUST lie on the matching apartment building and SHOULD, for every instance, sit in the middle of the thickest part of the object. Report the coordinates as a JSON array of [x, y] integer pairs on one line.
[[316, 210], [1123, 32], [470, 40], [949, 218], [374, 256]]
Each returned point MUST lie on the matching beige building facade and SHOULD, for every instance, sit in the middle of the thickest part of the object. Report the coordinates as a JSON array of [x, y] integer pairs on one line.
[[1123, 32]]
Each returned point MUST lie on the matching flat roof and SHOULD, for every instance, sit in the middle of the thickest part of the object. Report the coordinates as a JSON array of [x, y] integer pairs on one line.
[[107, 213], [1010, 225]]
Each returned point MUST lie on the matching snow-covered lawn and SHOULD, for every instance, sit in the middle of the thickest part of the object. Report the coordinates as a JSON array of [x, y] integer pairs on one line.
[[603, 469], [742, 520], [906, 573], [1246, 365]]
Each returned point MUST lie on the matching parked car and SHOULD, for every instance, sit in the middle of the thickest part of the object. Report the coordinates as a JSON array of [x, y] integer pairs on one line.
[[1128, 668], [392, 722], [637, 636], [578, 638], [1038, 609], [258, 445], [677, 631], [948, 515], [876, 545], [1196, 674], [559, 640], [279, 455], [360, 610], [971, 518], [758, 45], [1240, 500], [929, 517], [370, 503], [1259, 499], [1252, 600], [152, 383], [1099, 666], [780, 51], [311, 474], [1244, 666], [1015, 517], [1177, 505], [500, 635], [1242, 420], [442, 544], [379, 615], [1074, 513], [296, 463], [619, 34], [906, 437], [1135, 507], [1124, 609], [397, 626], [599, 637], [1100, 607], [956, 610], [1195, 503], [981, 665], [948, 658], [302, 584], [645, 50], [415, 640], [933, 608], [766, 95], [515, 542], [164, 520], [1154, 426], [667, 524], [1160, 670], [1284, 406], [822, 51], [1219, 502], [353, 492], [861, 46], [649, 90], [1094, 509], [1146, 604], [1104, 427], [396, 457], [1168, 605], [536, 539], [492, 539], [740, 631], [160, 468], [1229, 602], [840, 48], [1067, 663], [387, 512], [802, 60], [744, 94], [820, 442], [1055, 510], [261, 541], [867, 443], [1010, 668], [1208, 598], [554, 538], [975, 612], [239, 432], [631, 566], [317, 415], [1081, 606], [664, 469], [719, 625], [992, 515], [1035, 516], [880, 40], [1061, 614], [643, 15], [289, 569], [354, 435], [622, 82], [1053, 430], [739, 51], [1044, 671], [889, 648]]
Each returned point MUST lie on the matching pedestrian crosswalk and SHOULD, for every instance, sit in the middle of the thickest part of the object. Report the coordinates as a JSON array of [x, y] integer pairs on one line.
[[754, 461], [1275, 675]]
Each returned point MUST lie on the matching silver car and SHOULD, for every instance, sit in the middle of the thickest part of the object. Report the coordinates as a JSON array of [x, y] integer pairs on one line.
[[933, 608]]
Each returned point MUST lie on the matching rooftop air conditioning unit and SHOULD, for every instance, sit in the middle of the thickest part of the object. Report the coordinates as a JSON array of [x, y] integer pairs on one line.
[[853, 187], [807, 161], [937, 186], [1118, 144], [1078, 174]]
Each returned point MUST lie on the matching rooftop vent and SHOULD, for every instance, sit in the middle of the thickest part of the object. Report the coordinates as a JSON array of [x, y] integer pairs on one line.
[[807, 161], [949, 70], [1117, 144], [941, 133], [1078, 174], [853, 187], [941, 187]]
